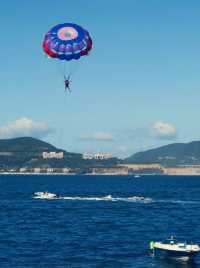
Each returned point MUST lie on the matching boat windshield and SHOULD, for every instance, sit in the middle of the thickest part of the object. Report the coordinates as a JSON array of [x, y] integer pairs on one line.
[[172, 240]]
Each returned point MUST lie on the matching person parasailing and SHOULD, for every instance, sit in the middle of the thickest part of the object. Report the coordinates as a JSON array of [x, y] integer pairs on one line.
[[67, 83], [67, 42]]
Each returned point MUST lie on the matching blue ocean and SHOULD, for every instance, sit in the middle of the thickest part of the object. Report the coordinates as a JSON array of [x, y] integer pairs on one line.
[[97, 221]]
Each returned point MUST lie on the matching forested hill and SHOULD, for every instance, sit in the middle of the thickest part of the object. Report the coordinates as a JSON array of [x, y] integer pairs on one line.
[[25, 144], [27, 152], [172, 154]]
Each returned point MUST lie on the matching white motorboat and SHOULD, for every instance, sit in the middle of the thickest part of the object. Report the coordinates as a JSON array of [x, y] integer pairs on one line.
[[137, 176], [45, 195], [171, 248]]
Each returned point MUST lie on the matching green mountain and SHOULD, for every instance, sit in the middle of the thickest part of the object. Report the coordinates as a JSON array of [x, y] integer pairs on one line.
[[169, 155], [26, 144], [27, 152]]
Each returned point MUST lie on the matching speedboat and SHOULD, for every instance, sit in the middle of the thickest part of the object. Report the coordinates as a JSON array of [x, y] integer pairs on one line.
[[171, 248], [45, 195], [108, 196], [137, 176]]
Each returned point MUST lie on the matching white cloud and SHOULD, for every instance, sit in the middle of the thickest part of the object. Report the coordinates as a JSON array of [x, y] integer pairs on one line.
[[164, 130], [24, 127], [97, 136]]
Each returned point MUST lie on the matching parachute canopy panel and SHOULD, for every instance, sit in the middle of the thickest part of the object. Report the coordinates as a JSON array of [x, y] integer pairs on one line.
[[67, 41]]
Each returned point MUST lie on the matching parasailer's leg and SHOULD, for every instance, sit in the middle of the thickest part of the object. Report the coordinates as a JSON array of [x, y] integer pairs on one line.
[[67, 88]]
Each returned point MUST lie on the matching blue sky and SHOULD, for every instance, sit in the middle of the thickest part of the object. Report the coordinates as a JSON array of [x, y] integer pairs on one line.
[[138, 89]]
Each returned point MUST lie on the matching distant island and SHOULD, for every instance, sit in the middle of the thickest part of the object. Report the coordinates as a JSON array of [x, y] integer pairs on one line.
[[29, 155]]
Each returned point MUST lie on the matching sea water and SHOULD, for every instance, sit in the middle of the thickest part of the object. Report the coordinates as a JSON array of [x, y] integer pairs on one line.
[[96, 221]]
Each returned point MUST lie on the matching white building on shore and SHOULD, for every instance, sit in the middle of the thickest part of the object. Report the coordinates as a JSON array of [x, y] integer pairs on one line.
[[97, 156], [53, 155]]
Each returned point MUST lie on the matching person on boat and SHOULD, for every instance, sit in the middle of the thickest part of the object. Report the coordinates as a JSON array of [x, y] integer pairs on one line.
[[67, 82]]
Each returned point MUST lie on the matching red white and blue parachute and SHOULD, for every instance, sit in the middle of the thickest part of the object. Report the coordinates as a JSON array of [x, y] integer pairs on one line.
[[67, 41]]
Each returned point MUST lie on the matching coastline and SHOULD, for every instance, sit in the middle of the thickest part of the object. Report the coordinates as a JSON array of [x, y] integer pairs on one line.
[[98, 174]]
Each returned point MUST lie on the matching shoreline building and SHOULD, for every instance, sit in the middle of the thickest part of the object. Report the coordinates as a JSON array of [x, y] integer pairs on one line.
[[96, 156], [53, 155]]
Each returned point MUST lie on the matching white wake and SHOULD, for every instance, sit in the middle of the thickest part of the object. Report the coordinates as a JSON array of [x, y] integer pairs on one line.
[[107, 198], [140, 199]]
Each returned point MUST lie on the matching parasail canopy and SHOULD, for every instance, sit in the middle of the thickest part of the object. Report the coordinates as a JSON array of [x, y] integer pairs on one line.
[[67, 41]]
